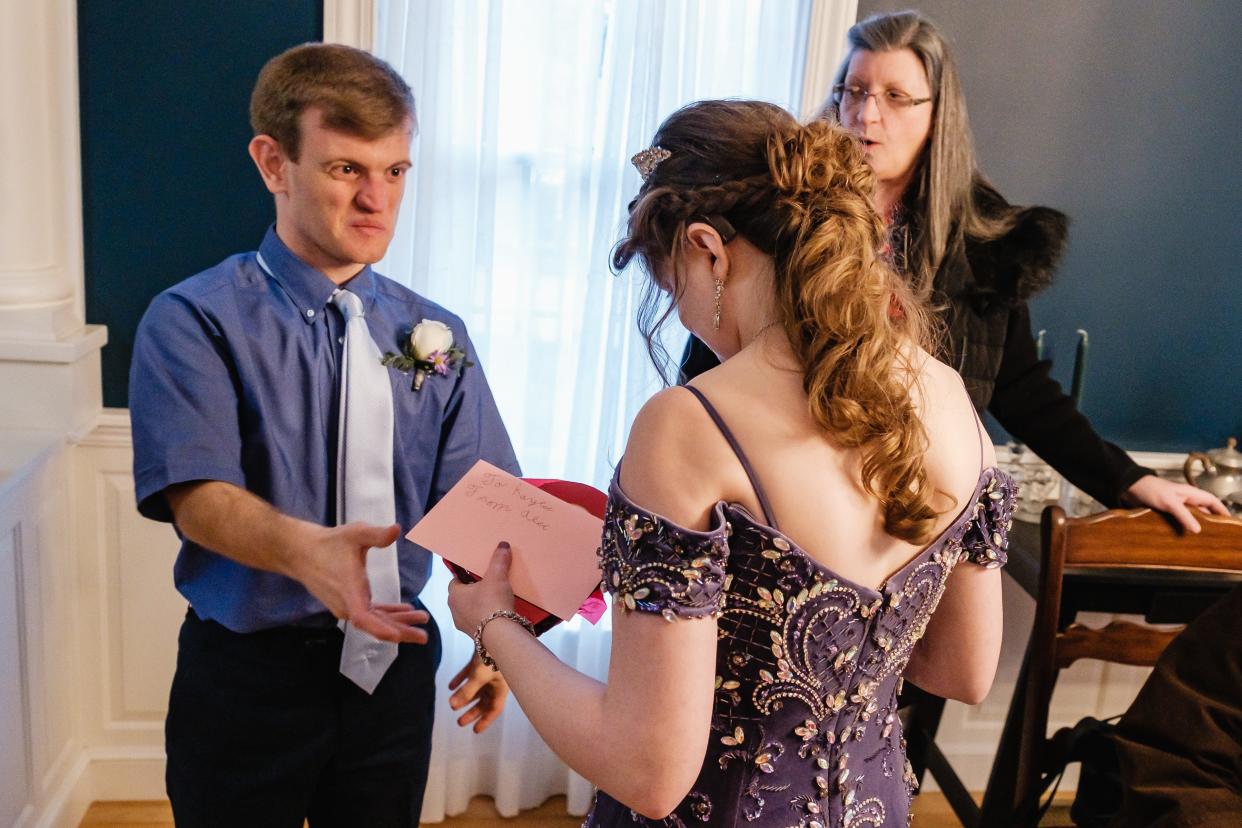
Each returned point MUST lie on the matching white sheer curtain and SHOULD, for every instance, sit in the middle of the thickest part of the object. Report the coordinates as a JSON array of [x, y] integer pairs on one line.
[[826, 46], [529, 111]]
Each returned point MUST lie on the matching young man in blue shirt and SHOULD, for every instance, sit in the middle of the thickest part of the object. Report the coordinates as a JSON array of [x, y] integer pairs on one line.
[[235, 399]]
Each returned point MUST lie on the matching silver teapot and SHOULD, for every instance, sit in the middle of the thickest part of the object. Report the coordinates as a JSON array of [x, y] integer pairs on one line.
[[1222, 469]]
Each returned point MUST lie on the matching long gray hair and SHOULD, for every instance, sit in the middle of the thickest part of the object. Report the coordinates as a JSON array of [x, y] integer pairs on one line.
[[943, 190]]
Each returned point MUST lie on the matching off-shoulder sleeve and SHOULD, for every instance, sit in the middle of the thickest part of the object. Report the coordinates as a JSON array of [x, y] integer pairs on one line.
[[652, 565], [986, 541]]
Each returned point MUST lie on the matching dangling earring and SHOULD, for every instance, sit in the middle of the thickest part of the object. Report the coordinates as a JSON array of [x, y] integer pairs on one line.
[[719, 293]]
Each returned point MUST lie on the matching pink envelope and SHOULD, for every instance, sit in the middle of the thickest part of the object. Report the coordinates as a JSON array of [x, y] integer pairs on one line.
[[555, 543]]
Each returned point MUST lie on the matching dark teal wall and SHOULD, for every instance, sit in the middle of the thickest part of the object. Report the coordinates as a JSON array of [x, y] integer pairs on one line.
[[167, 186], [1126, 116]]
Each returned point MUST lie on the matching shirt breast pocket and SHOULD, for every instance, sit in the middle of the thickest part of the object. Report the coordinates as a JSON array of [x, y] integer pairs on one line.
[[419, 414]]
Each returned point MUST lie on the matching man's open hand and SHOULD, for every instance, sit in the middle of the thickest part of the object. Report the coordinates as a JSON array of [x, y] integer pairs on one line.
[[333, 567]]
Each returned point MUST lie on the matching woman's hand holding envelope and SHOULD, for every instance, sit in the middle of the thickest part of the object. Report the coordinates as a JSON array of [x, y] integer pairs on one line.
[[471, 603], [553, 530]]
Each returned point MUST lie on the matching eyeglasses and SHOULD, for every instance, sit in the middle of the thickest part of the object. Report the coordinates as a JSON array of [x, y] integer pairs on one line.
[[849, 96]]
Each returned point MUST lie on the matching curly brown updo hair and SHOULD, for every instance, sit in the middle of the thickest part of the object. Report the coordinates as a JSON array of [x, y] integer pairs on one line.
[[801, 194]]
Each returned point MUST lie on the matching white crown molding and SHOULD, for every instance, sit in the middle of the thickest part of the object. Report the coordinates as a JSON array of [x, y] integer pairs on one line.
[[90, 339], [349, 22], [111, 430]]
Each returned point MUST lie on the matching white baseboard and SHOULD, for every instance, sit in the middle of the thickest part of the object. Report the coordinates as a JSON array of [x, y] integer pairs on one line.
[[23, 819], [128, 773], [99, 775], [69, 800]]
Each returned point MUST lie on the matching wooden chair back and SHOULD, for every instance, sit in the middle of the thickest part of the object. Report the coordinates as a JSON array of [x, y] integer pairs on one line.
[[1118, 540]]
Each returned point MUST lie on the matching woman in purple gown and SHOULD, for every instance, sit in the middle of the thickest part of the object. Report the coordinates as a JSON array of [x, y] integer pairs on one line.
[[791, 533]]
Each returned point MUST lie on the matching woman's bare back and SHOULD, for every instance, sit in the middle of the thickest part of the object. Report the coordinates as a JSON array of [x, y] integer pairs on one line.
[[813, 485]]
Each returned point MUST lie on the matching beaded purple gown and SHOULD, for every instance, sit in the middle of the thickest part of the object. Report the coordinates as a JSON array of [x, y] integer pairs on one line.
[[804, 730]]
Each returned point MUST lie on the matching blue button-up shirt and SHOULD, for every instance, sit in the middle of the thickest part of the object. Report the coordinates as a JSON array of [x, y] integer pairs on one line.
[[235, 378]]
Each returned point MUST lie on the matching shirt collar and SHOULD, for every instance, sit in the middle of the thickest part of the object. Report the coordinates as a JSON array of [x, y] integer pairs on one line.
[[310, 289]]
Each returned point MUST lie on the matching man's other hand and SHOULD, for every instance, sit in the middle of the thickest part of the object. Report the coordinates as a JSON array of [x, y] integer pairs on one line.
[[483, 686]]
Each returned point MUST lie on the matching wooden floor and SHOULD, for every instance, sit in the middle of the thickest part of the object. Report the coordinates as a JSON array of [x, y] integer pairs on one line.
[[480, 814], [930, 811]]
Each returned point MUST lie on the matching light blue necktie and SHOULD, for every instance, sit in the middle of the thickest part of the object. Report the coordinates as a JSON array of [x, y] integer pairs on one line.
[[364, 481]]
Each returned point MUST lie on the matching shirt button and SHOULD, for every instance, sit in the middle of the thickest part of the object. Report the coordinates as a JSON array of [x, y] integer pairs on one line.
[[310, 313], [341, 340]]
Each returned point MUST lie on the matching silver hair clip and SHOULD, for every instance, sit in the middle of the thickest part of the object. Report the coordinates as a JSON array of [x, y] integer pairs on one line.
[[647, 160]]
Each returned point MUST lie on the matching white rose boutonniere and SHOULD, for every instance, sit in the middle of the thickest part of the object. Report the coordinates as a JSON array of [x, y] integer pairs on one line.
[[430, 337], [429, 349]]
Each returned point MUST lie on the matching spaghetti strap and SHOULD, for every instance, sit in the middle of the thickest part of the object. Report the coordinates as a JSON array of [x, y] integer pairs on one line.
[[982, 436], [768, 516], [982, 432]]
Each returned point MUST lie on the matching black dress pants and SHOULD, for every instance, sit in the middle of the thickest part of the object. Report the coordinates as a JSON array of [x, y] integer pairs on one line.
[[263, 730]]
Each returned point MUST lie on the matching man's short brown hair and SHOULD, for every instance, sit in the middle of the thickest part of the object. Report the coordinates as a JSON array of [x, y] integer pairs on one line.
[[357, 92]]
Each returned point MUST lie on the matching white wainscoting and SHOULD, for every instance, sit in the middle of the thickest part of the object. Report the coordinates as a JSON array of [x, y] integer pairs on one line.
[[86, 592], [129, 650], [90, 620], [15, 764], [40, 615]]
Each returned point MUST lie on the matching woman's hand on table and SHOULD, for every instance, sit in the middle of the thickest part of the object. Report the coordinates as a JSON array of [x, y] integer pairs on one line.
[[1176, 499]]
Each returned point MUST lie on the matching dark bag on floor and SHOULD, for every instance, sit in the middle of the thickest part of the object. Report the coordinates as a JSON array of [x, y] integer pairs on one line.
[[1098, 799]]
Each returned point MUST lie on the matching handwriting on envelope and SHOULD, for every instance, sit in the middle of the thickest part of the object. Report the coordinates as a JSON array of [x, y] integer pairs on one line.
[[555, 565]]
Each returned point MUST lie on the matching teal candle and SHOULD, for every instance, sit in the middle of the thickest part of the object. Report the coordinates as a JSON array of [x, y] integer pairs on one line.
[[1080, 368]]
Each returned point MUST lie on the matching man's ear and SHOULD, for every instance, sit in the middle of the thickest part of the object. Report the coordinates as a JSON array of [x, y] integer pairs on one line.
[[272, 162], [705, 240]]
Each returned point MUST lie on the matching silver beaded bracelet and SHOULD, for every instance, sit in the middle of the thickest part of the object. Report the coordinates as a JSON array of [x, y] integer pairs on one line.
[[484, 655]]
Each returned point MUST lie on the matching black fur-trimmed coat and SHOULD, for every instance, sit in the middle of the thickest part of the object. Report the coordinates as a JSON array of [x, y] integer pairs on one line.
[[980, 284]]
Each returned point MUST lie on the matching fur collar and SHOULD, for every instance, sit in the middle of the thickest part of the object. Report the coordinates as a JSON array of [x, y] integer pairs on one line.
[[1012, 268]]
